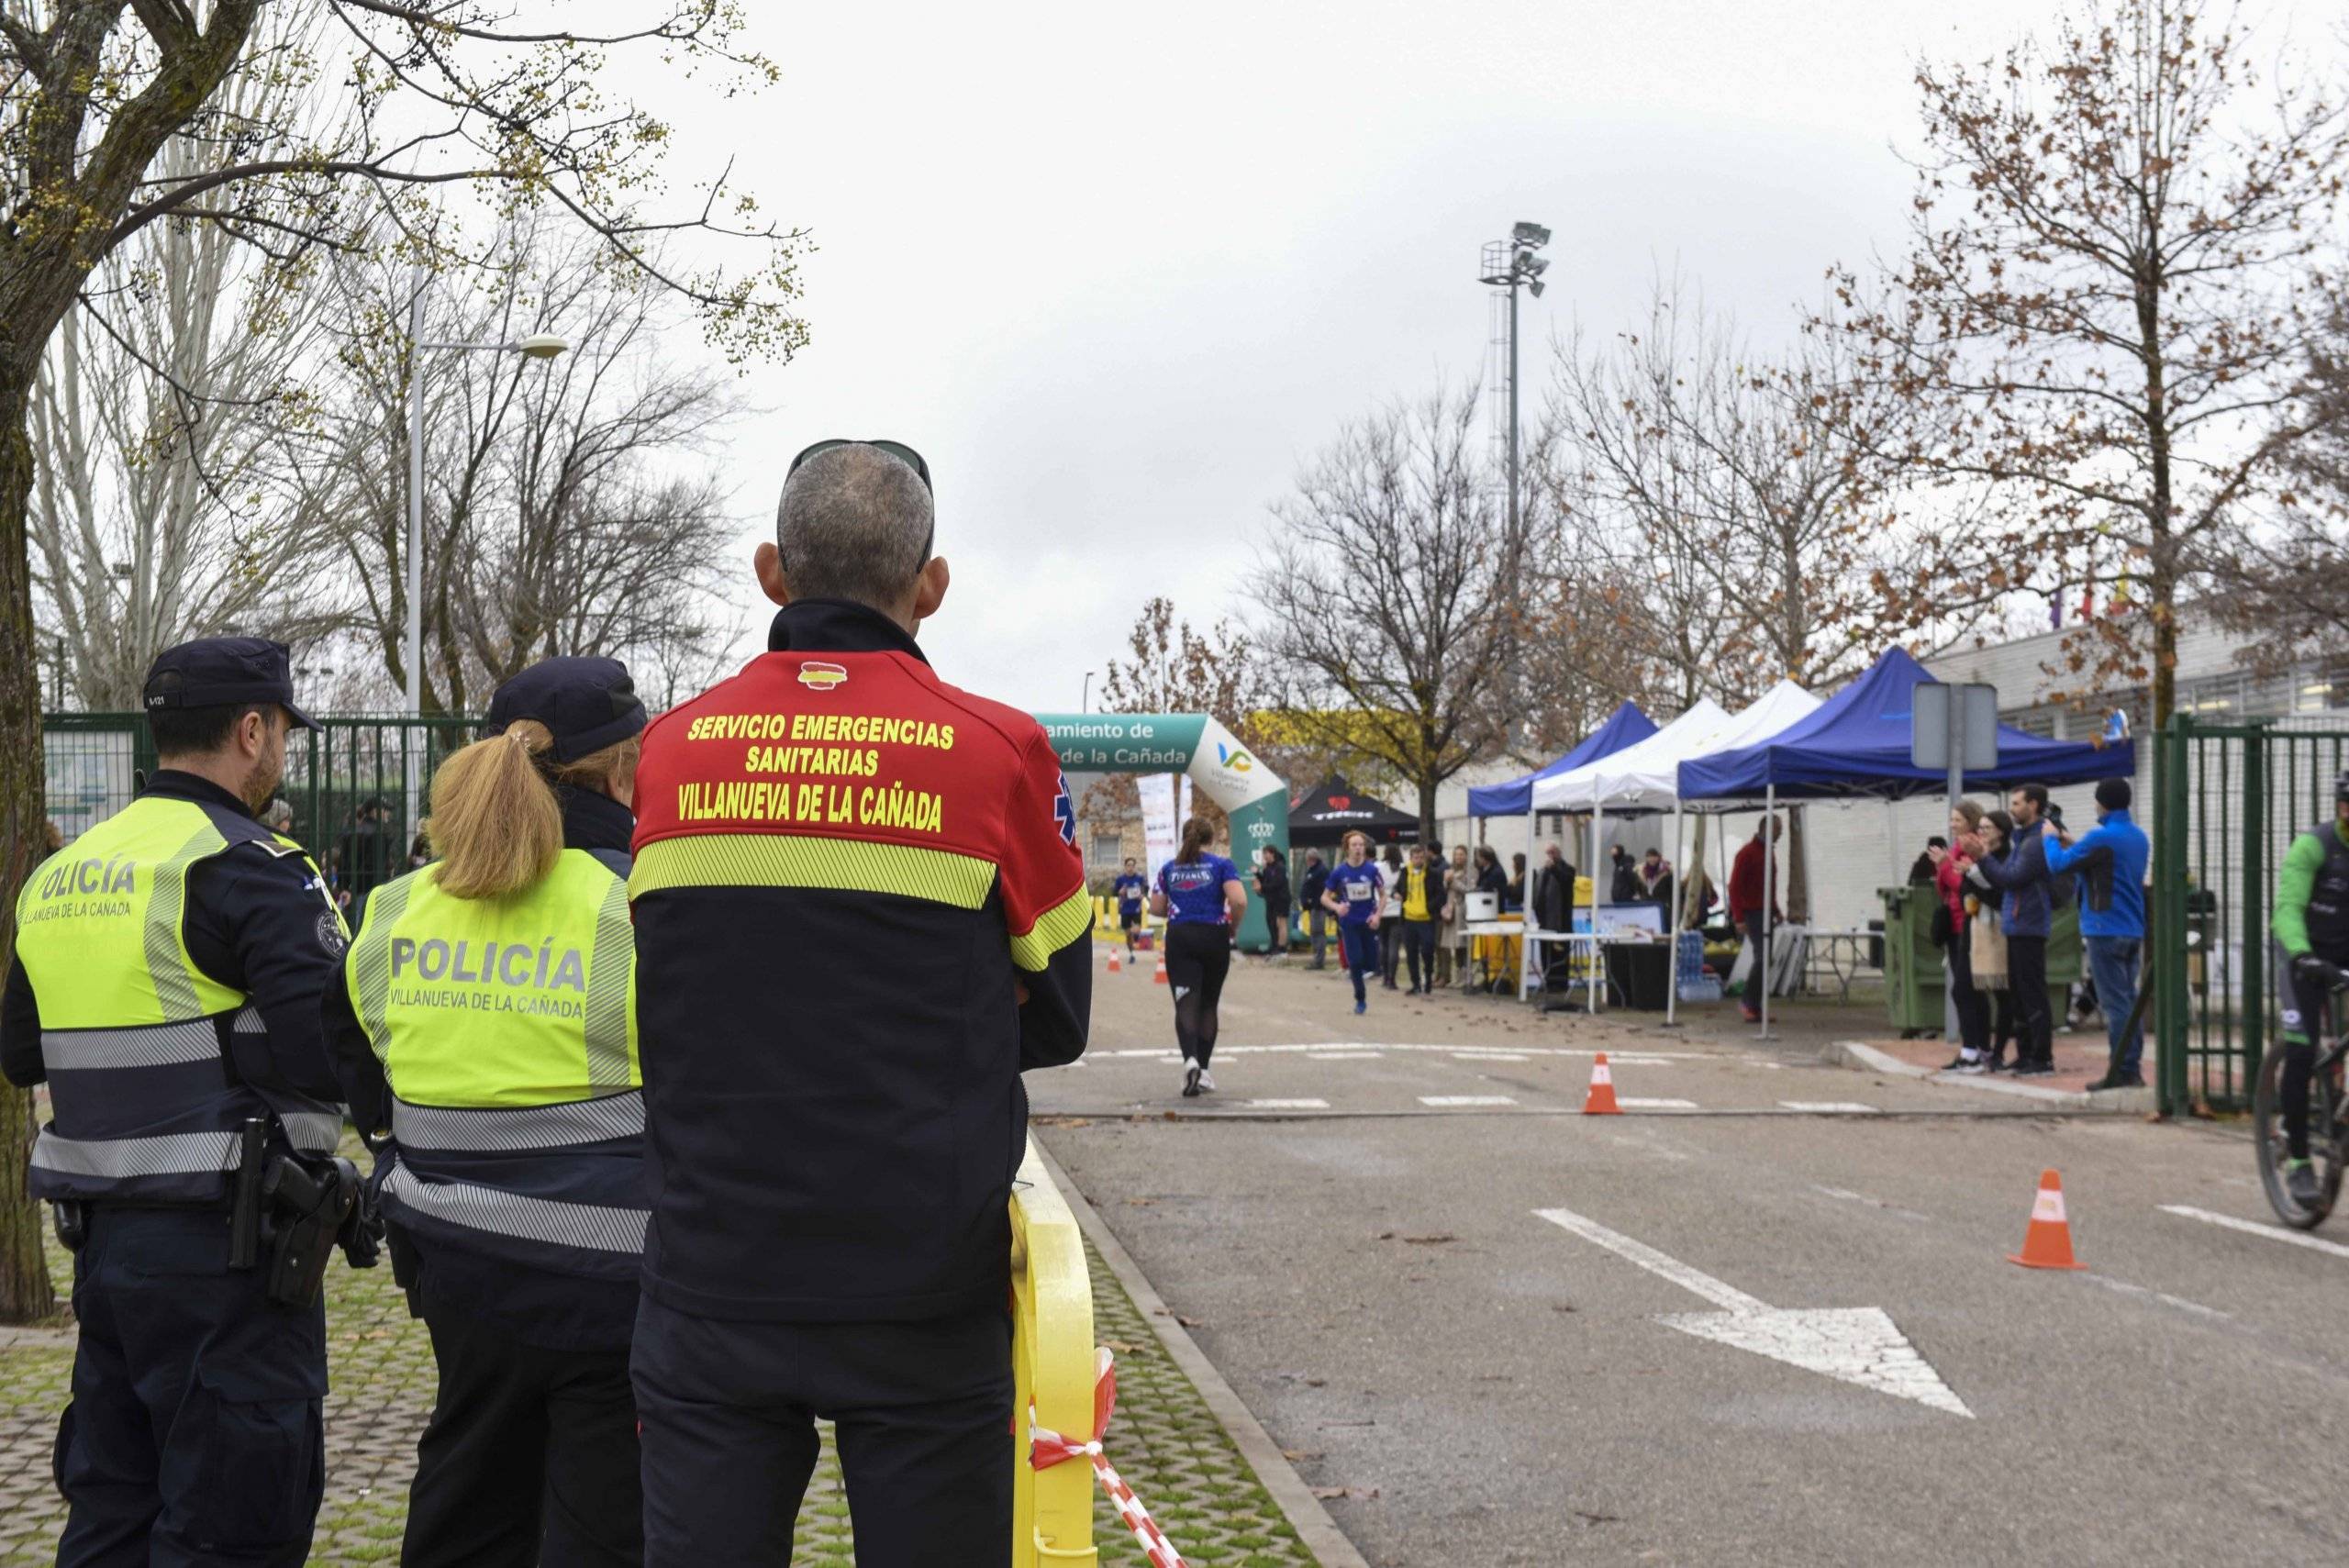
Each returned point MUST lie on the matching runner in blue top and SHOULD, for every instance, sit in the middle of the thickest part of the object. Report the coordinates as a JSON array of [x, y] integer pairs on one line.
[[1129, 889], [1355, 891], [1200, 895]]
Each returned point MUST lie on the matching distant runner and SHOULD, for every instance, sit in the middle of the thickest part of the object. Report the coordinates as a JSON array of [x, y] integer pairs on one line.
[[1200, 895], [1355, 891], [1129, 889]]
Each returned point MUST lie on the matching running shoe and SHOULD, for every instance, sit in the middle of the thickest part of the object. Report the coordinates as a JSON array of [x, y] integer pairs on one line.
[[2034, 1069], [1205, 1082], [1960, 1060], [2300, 1181], [1361, 1008], [1192, 1074], [1969, 1064]]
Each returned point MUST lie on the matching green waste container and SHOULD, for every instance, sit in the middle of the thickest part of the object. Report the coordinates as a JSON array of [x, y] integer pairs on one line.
[[1913, 983]]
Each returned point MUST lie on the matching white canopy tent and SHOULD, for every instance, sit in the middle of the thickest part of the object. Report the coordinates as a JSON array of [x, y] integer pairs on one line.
[[1646, 777]]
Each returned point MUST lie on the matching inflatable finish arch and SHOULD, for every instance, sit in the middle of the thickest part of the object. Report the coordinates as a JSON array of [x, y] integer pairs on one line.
[[1252, 794]]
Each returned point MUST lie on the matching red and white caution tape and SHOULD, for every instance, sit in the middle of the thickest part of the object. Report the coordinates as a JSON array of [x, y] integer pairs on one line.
[[1048, 1448]]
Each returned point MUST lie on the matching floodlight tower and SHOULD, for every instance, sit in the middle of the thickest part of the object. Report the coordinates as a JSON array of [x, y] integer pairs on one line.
[[1507, 264]]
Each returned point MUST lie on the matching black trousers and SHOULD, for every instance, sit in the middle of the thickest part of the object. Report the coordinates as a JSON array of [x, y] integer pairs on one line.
[[1199, 959], [530, 1456], [194, 1434], [2027, 983], [1973, 1007], [1276, 925], [1419, 946], [1390, 948], [921, 1412]]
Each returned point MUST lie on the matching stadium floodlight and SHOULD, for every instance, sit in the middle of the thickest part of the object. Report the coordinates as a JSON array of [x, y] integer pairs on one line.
[[1531, 265], [1533, 287], [1530, 234]]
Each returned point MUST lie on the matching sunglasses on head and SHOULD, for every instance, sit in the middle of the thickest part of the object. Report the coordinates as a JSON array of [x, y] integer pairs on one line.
[[897, 450]]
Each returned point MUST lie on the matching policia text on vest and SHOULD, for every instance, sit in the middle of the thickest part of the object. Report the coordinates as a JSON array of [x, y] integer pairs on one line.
[[165, 988]]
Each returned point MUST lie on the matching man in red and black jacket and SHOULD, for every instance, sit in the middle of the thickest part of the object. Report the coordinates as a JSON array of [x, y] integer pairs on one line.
[[1753, 908], [859, 915]]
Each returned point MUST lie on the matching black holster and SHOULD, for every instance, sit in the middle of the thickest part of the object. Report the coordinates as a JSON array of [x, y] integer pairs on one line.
[[71, 1218], [289, 1213]]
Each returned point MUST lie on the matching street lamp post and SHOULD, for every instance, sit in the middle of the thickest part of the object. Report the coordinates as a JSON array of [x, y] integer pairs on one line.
[[539, 346], [1084, 702], [1508, 263]]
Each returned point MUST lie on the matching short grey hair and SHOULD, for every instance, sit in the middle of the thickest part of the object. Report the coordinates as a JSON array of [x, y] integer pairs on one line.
[[851, 525]]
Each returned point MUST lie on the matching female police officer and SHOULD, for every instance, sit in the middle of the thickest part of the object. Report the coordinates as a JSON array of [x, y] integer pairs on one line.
[[487, 1020]]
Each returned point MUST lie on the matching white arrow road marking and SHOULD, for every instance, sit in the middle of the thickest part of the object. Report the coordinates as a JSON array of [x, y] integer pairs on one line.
[[1853, 1344], [2253, 1227]]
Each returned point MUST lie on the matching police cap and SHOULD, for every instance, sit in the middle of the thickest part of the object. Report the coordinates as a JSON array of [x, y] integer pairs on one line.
[[585, 704], [224, 672]]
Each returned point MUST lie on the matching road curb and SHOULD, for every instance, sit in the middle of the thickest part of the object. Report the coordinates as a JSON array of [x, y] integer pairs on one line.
[[1862, 1057], [1286, 1488]]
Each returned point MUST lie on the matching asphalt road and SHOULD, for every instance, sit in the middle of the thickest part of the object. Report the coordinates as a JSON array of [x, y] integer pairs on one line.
[[1377, 1278]]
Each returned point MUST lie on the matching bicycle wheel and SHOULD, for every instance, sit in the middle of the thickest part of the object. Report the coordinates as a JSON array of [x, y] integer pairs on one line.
[[2326, 1133]]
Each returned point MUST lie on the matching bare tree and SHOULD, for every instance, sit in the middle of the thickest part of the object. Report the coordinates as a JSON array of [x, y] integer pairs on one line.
[[2108, 313], [570, 507], [156, 515], [1385, 604], [1713, 482], [442, 92]]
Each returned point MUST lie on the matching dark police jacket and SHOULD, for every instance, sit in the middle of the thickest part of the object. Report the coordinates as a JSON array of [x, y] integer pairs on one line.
[[256, 918], [860, 914]]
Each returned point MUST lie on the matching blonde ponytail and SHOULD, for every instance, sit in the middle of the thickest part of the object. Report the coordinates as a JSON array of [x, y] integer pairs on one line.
[[494, 822]]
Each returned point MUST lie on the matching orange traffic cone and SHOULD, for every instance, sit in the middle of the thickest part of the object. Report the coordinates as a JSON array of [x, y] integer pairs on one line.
[[1601, 1099], [1116, 964], [1160, 978], [2047, 1244]]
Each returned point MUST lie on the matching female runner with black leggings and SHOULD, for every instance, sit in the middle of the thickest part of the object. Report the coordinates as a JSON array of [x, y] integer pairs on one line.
[[1200, 897]]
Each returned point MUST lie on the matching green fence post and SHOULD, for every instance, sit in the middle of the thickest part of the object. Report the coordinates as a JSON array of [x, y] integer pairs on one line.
[[2251, 994], [2170, 898]]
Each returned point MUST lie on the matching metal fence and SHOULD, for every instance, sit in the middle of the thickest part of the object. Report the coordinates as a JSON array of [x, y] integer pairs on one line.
[[2229, 799], [356, 786]]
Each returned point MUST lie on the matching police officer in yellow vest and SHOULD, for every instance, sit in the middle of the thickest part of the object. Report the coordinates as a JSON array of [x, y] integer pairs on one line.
[[487, 1020], [168, 968]]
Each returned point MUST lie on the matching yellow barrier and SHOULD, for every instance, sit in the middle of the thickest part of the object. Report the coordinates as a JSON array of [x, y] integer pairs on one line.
[[1051, 1363]]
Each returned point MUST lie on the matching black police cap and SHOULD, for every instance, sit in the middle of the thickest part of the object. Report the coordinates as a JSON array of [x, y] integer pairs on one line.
[[223, 672], [585, 704]]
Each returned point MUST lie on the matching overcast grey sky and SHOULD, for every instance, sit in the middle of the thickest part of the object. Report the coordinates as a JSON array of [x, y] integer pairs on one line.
[[1118, 271]]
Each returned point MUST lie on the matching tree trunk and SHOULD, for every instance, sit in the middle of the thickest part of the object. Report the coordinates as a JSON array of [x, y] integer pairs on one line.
[[1427, 811], [25, 1293]]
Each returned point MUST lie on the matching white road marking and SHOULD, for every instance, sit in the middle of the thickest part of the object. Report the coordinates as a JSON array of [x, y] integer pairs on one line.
[[2179, 1302], [1615, 1061], [1632, 1102], [1488, 1056], [1830, 1107], [1288, 1105], [1858, 1345], [1444, 1101], [1342, 1055], [1643, 1056], [2253, 1228]]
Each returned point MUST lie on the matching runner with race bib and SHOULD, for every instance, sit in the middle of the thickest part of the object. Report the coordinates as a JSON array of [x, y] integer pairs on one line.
[[1200, 897], [1355, 892]]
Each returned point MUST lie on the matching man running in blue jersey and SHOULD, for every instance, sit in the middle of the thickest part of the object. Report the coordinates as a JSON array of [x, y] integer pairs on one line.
[[1129, 889], [1355, 891]]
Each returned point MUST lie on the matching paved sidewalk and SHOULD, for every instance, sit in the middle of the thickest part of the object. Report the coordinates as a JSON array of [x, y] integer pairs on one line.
[[1163, 1440]]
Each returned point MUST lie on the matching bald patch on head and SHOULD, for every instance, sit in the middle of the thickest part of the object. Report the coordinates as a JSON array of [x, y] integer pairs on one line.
[[851, 525]]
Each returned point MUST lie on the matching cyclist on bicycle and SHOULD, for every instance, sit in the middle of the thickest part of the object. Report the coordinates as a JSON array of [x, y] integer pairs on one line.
[[2312, 925]]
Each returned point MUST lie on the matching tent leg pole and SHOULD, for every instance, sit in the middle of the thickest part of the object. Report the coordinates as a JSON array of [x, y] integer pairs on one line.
[[1595, 975], [1769, 897], [1525, 912], [1672, 919]]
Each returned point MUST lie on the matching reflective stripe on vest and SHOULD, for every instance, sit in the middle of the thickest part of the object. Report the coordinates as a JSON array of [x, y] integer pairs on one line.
[[473, 1208], [507, 1031], [145, 1109]]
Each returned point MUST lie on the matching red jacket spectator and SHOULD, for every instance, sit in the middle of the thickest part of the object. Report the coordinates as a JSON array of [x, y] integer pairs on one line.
[[1949, 881], [1745, 884]]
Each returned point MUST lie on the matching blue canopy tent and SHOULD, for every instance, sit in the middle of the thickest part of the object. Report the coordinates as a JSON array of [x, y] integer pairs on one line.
[[1857, 743], [1627, 726]]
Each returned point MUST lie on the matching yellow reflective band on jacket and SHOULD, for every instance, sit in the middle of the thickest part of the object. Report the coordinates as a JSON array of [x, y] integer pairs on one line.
[[500, 1002], [790, 860], [98, 924], [1064, 923]]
